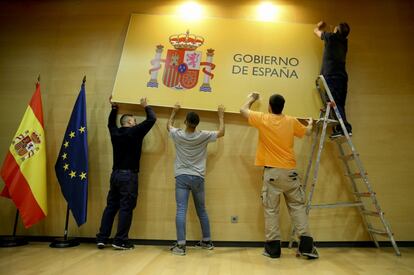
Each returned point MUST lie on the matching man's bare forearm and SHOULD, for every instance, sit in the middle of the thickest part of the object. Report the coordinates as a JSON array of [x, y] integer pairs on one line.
[[221, 129]]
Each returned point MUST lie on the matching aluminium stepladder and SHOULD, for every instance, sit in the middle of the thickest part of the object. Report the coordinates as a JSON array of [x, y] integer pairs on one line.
[[365, 200]]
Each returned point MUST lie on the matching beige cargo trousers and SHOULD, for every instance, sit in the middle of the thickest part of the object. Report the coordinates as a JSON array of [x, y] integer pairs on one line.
[[277, 181]]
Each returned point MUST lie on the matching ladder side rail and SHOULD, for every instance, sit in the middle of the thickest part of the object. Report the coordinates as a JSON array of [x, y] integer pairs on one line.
[[318, 159], [312, 154], [360, 166], [306, 178], [355, 190]]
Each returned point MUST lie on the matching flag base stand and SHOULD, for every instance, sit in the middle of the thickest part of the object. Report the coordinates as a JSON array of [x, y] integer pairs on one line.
[[12, 241], [64, 243]]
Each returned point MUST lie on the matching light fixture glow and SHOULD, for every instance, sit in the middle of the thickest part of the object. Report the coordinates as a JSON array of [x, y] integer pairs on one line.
[[190, 11], [266, 11]]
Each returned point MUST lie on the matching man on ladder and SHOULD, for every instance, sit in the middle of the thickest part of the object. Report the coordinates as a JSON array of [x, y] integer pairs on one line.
[[333, 68]]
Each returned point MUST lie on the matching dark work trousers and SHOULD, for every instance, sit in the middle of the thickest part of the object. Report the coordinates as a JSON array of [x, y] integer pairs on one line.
[[122, 197], [338, 85]]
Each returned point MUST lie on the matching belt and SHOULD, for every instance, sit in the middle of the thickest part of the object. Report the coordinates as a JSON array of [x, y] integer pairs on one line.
[[126, 170]]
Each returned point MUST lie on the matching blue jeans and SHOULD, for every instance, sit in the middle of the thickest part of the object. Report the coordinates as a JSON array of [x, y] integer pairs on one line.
[[183, 185]]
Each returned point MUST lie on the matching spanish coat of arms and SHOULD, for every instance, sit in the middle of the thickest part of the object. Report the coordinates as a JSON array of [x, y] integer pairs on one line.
[[182, 64], [26, 144]]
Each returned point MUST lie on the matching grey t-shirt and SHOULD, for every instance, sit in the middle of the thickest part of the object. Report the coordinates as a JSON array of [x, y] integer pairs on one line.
[[191, 151]]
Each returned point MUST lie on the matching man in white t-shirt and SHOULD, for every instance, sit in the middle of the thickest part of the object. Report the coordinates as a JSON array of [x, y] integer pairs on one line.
[[190, 167]]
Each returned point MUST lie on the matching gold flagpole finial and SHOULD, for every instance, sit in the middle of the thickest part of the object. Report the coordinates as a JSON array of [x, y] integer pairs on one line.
[[84, 79], [38, 78]]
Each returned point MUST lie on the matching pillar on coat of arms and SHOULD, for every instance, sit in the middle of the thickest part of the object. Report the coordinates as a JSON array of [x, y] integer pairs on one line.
[[205, 87], [156, 63]]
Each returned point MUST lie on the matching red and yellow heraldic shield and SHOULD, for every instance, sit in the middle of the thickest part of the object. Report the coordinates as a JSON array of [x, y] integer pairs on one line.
[[182, 68], [24, 168]]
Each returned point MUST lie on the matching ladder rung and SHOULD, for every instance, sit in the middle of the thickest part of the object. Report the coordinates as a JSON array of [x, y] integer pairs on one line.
[[364, 194], [371, 213], [377, 231], [338, 204], [356, 175], [349, 157], [328, 120]]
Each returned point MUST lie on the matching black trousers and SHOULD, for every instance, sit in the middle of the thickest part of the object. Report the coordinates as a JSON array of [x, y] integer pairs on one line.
[[122, 197], [338, 85]]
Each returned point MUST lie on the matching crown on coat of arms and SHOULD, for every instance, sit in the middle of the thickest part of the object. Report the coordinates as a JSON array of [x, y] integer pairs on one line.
[[186, 41]]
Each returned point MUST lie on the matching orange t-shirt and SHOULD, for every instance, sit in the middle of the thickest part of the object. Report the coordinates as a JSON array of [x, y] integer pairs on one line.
[[276, 134]]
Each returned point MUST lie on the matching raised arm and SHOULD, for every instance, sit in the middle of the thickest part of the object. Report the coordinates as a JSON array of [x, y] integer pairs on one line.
[[221, 130], [320, 28], [112, 115], [251, 98], [144, 127], [172, 116]]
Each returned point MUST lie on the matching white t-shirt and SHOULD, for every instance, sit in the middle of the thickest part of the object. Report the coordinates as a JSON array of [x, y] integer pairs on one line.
[[191, 151]]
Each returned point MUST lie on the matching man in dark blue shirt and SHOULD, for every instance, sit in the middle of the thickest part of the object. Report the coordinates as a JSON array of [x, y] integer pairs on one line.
[[123, 192], [333, 67]]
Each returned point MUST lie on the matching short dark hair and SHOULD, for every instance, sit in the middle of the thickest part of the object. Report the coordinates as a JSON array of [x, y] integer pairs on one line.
[[124, 119], [192, 119], [344, 29], [276, 102]]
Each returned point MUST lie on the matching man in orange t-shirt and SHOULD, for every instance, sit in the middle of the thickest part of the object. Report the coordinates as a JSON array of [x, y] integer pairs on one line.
[[275, 153]]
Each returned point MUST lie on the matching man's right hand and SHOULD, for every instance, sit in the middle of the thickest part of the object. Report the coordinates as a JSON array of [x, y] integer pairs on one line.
[[254, 96], [143, 102], [220, 111], [176, 107], [113, 104], [321, 25]]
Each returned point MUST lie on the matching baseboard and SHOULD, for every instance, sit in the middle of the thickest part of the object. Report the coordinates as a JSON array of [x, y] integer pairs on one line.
[[232, 243]]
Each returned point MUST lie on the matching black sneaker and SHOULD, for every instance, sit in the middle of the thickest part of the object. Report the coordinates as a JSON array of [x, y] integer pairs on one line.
[[307, 248], [311, 255], [100, 245], [205, 245], [178, 249], [123, 246], [272, 249]]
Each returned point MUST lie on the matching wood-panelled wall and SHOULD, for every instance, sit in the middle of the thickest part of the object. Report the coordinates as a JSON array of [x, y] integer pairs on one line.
[[65, 40]]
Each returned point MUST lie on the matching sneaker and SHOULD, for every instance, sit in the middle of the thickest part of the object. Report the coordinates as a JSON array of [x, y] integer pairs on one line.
[[205, 245], [123, 246], [100, 245], [307, 248], [178, 249], [312, 255], [272, 249], [265, 253]]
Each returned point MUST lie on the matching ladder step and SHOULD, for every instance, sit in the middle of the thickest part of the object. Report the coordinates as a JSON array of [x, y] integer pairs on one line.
[[364, 194], [327, 120], [377, 231], [371, 213], [338, 204], [349, 157], [356, 175]]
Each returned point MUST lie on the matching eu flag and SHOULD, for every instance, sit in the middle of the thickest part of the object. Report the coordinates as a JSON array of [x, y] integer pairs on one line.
[[72, 164]]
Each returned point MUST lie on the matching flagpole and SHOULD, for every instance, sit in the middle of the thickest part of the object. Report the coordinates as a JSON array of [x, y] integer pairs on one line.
[[65, 242], [65, 234], [76, 180], [12, 241]]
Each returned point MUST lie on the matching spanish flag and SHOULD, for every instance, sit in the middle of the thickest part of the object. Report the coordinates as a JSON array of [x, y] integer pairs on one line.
[[24, 168]]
